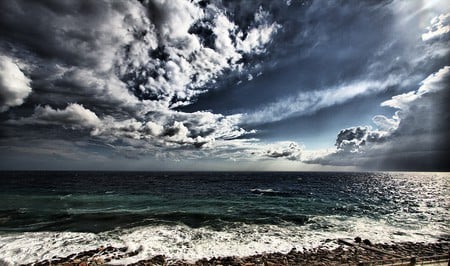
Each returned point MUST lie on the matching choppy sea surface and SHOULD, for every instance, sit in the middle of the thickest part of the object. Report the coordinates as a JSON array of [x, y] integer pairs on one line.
[[194, 215]]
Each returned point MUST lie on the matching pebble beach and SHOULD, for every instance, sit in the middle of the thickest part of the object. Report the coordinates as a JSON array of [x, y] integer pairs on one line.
[[349, 252]]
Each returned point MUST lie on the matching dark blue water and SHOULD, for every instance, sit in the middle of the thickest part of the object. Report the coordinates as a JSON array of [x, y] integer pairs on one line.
[[406, 204]]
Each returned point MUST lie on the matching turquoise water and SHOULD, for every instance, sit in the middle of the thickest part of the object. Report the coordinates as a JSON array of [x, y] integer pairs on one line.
[[193, 215]]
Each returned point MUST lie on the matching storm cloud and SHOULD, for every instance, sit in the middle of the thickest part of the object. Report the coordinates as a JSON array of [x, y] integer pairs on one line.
[[163, 82], [124, 66], [290, 151], [416, 137]]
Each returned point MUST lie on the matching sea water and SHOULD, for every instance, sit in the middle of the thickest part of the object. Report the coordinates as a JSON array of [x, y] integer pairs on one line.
[[189, 216]]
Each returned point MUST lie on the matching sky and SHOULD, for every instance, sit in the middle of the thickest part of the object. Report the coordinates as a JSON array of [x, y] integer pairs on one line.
[[293, 85]]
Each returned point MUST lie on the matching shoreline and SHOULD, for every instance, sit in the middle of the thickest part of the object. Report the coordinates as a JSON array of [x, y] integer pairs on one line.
[[348, 252]]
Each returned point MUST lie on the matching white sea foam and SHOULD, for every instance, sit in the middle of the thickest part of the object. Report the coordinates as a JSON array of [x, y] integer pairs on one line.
[[28, 247], [262, 190], [183, 242]]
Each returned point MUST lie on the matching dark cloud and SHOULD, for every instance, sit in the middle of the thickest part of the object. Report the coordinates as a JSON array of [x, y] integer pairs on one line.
[[346, 44], [415, 138], [193, 79], [336, 41], [289, 151], [170, 129], [352, 139], [118, 69], [190, 47], [68, 48], [159, 50], [72, 33]]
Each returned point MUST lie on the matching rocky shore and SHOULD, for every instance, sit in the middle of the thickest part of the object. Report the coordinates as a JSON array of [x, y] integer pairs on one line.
[[349, 252]]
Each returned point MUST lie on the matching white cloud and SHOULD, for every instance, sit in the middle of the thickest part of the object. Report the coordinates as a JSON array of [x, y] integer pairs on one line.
[[14, 85], [74, 116], [416, 137], [200, 134], [127, 65], [309, 102], [165, 128], [192, 46], [440, 27], [435, 82], [386, 124], [431, 84], [147, 49], [259, 36]]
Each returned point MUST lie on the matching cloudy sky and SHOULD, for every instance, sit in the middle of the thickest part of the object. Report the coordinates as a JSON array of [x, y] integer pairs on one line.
[[225, 85]]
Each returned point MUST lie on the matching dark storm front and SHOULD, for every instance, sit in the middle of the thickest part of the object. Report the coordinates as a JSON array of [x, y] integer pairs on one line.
[[103, 201]]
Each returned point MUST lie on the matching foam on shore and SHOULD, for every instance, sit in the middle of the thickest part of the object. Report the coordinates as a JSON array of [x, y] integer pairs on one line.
[[190, 244]]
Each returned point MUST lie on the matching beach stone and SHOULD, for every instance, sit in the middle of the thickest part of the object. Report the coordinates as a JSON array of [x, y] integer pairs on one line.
[[358, 239], [159, 259], [99, 260], [367, 242], [317, 256]]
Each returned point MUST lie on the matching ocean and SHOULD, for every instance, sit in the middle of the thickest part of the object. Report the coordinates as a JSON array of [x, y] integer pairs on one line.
[[191, 215]]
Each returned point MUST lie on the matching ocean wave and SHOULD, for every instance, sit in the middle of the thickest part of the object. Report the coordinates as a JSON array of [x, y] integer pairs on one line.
[[270, 192], [184, 242]]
